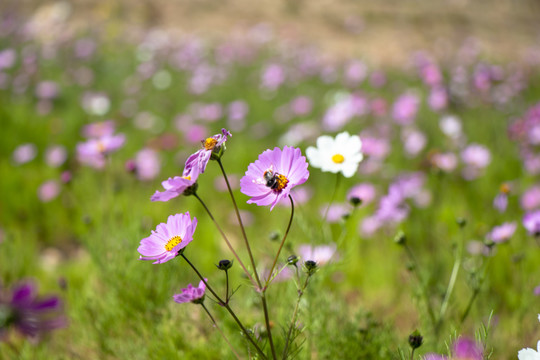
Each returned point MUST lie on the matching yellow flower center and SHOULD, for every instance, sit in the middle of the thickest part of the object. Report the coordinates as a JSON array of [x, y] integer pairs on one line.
[[175, 240], [101, 147], [186, 177], [338, 158], [281, 181], [209, 143], [505, 188]]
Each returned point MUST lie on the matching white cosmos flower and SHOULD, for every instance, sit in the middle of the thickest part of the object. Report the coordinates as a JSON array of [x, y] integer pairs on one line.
[[335, 155], [528, 353]]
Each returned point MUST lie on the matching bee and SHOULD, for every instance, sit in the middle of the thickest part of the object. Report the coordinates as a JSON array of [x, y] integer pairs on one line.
[[271, 179]]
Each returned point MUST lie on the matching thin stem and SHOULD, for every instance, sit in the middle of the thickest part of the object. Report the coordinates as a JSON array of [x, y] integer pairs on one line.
[[451, 283], [422, 286], [332, 198], [412, 354], [263, 295], [226, 306], [227, 286], [469, 306], [255, 283], [280, 245], [293, 320], [240, 222], [221, 332]]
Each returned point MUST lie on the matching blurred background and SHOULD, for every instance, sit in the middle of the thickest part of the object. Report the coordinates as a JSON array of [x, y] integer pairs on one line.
[[380, 32]]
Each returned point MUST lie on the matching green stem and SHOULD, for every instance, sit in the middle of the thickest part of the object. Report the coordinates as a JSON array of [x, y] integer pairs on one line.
[[293, 320], [451, 283], [221, 332], [422, 285], [240, 222], [226, 240], [332, 198], [226, 306], [280, 245], [259, 284]]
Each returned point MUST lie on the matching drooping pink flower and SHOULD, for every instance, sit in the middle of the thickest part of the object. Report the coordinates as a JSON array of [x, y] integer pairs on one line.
[[191, 294], [210, 145], [177, 185], [503, 232], [168, 239], [272, 177]]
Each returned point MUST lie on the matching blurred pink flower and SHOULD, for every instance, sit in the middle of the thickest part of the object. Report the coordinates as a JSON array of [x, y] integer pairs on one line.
[[502, 233], [55, 155], [49, 190], [24, 153], [321, 254], [364, 191], [405, 109], [191, 294], [147, 164]]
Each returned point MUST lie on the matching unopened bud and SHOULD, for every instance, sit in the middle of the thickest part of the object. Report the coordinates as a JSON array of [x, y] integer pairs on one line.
[[462, 222], [224, 265], [355, 201], [415, 339], [400, 238], [310, 267], [292, 260]]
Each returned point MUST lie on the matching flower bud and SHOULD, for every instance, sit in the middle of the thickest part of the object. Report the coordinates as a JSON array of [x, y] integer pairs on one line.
[[224, 265], [355, 201], [400, 238], [292, 260], [310, 267], [462, 222], [191, 190], [274, 236], [415, 339]]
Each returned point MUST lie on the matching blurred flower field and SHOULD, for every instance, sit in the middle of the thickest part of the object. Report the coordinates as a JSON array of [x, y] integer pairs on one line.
[[291, 205]]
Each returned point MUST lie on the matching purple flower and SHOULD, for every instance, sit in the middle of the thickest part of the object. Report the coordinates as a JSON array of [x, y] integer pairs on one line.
[[501, 202], [177, 185], [476, 156], [99, 129], [405, 109], [530, 200], [191, 294], [93, 151], [147, 164], [210, 145], [29, 314], [531, 222], [467, 349], [503, 232], [272, 177], [335, 212], [168, 239], [55, 155]]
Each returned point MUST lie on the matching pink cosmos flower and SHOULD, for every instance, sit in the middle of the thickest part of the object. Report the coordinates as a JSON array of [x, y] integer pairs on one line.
[[93, 151], [462, 349], [24, 153], [210, 145], [99, 129], [405, 109], [147, 164], [446, 162], [272, 177], [531, 222], [49, 190], [168, 239], [177, 185], [320, 254], [503, 232], [191, 294], [531, 198], [477, 156], [364, 191]]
